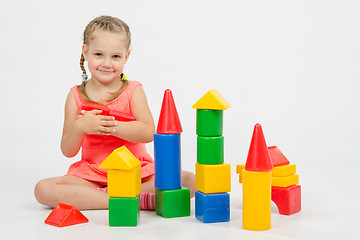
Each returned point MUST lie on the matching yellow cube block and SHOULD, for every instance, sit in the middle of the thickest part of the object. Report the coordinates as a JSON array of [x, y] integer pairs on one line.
[[214, 178], [124, 183], [285, 181], [283, 171]]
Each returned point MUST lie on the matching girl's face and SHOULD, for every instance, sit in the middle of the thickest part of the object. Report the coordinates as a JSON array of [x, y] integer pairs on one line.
[[106, 55]]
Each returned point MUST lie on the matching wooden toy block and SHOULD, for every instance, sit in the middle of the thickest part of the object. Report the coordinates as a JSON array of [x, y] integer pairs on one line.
[[169, 122], [211, 208], [172, 203], [256, 200], [124, 211], [288, 200], [276, 156], [64, 215], [212, 100], [210, 150], [239, 169], [209, 123], [124, 173], [284, 170], [215, 178], [124, 183], [167, 152], [285, 181]]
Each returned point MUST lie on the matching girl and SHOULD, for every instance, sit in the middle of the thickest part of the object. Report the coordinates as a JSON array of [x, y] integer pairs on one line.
[[103, 113]]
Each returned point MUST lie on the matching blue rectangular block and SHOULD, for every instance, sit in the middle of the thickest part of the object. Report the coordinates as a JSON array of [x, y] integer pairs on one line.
[[167, 153], [211, 208]]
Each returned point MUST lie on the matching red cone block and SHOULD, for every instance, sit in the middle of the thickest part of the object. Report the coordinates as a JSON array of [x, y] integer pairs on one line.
[[276, 157], [258, 159], [169, 122], [65, 215]]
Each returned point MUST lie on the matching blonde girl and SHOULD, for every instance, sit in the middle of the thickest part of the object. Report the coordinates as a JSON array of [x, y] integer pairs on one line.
[[105, 112]]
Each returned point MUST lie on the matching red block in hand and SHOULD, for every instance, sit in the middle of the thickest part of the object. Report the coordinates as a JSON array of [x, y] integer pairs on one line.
[[65, 215]]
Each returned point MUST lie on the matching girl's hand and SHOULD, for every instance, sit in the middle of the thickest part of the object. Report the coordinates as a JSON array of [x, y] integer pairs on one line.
[[91, 122]]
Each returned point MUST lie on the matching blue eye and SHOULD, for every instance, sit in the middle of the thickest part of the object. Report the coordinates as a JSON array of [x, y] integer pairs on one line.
[[117, 56], [98, 54]]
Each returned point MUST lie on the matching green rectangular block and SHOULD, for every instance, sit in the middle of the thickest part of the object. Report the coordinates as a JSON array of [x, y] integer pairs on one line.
[[209, 123], [172, 203], [210, 150], [124, 211]]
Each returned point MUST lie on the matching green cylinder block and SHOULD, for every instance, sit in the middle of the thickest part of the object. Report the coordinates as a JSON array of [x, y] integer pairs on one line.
[[210, 150], [209, 123]]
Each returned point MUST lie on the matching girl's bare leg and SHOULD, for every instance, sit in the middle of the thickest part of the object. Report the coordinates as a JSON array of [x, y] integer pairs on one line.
[[71, 190]]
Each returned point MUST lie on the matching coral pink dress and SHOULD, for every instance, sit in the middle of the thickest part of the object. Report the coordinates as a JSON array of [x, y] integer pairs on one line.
[[95, 148]]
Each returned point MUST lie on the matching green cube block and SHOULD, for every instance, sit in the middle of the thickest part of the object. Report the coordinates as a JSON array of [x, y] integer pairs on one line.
[[124, 211], [210, 150], [209, 123], [172, 203]]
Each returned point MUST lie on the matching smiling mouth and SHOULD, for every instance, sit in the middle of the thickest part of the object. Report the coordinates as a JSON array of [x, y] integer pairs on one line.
[[106, 71]]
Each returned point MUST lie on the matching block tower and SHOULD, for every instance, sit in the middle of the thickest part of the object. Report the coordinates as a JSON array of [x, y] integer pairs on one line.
[[213, 176], [256, 179], [124, 187], [285, 191], [171, 199]]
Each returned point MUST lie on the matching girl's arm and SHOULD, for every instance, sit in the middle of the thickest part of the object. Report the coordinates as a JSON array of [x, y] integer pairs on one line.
[[72, 136], [143, 128], [76, 126]]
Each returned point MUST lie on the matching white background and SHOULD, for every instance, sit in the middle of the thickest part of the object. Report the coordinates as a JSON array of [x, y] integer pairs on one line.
[[292, 66]]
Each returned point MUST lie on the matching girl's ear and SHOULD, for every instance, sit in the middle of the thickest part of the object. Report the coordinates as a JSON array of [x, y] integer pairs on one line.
[[85, 51], [127, 56]]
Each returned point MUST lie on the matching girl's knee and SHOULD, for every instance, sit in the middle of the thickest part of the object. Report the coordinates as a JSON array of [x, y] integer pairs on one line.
[[42, 190]]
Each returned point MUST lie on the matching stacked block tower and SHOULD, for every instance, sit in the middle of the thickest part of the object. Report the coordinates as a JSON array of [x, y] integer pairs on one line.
[[124, 187], [285, 191], [213, 176], [267, 175], [171, 199], [256, 179]]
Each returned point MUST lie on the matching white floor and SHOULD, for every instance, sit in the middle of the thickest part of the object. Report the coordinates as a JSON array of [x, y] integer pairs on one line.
[[325, 215]]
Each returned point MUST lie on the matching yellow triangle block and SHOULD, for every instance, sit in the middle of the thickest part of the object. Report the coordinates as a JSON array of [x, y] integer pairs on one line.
[[121, 159], [212, 100]]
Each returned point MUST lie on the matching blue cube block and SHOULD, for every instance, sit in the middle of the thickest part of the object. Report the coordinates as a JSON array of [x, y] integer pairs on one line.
[[211, 208], [167, 152]]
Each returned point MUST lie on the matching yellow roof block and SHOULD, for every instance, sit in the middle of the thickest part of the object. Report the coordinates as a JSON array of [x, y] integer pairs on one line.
[[212, 100], [121, 159]]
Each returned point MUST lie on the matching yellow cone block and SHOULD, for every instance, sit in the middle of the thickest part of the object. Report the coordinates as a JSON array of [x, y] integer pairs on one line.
[[256, 200], [124, 184], [214, 178], [285, 181], [283, 171]]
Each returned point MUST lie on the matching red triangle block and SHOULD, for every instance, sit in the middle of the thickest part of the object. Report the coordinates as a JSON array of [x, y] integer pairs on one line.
[[277, 157], [169, 122], [258, 159], [65, 215]]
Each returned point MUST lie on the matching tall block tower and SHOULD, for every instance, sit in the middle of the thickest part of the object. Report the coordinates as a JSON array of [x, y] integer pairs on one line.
[[124, 187], [171, 199], [213, 176], [256, 179]]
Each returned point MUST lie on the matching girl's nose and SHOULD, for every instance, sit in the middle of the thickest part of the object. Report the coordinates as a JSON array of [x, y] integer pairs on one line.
[[107, 62]]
